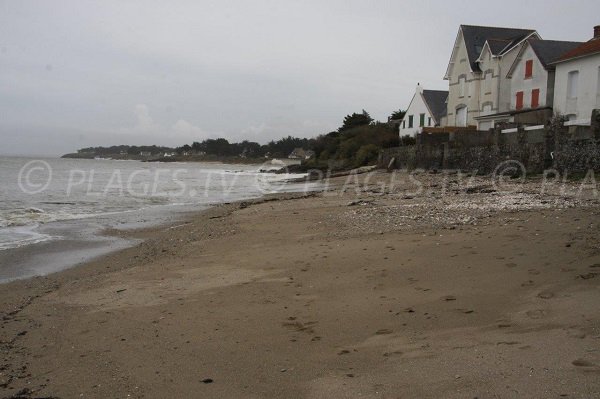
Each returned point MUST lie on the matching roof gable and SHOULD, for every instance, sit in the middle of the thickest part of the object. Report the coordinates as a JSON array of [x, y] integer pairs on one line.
[[547, 51], [459, 39], [475, 38], [408, 108]]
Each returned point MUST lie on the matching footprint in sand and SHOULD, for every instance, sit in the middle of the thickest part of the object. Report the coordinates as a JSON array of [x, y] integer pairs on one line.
[[585, 364], [587, 276], [536, 314], [507, 343], [298, 326], [545, 295], [576, 333], [391, 354]]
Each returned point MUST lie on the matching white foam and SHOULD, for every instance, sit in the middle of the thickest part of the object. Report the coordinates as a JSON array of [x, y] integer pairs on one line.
[[18, 236]]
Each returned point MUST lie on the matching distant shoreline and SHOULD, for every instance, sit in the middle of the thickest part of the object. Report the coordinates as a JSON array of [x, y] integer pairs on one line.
[[174, 158]]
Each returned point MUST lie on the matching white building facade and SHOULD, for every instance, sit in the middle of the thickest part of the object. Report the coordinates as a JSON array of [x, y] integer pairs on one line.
[[476, 73], [426, 109], [532, 74], [577, 81]]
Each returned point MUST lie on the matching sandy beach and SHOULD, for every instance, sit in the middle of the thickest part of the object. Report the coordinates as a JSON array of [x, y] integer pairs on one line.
[[366, 290]]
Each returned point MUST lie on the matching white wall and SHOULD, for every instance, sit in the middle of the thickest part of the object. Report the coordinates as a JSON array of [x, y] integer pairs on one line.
[[538, 80], [477, 96], [504, 103], [416, 108], [588, 96], [461, 69], [489, 91]]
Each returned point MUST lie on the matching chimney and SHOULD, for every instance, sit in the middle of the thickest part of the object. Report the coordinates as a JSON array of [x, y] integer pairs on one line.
[[597, 32], [419, 88]]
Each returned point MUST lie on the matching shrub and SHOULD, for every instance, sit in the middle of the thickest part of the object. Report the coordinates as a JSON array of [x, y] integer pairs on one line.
[[367, 154]]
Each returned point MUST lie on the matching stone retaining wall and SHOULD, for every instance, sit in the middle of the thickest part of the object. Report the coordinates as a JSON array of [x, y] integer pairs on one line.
[[566, 149]]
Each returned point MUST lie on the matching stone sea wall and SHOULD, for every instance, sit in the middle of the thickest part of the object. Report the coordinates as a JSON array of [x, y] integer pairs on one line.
[[570, 149]]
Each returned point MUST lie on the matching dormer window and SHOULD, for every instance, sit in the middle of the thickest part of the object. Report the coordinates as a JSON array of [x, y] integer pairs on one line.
[[528, 69]]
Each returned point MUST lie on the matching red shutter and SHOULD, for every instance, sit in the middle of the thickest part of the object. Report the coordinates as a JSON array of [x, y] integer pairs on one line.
[[528, 69], [519, 100], [535, 98]]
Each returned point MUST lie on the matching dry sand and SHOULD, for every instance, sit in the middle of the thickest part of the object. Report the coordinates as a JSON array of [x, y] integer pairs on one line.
[[373, 293]]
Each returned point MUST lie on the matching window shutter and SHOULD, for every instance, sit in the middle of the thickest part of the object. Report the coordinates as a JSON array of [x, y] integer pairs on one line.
[[519, 104], [535, 98], [528, 69]]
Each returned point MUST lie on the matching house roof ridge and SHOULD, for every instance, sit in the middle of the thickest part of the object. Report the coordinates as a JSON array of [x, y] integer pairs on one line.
[[496, 27], [585, 49], [554, 41]]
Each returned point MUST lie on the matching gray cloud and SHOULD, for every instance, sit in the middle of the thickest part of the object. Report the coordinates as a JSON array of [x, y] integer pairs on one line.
[[79, 73]]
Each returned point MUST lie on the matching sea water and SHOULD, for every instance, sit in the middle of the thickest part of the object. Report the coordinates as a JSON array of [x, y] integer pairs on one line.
[[45, 200]]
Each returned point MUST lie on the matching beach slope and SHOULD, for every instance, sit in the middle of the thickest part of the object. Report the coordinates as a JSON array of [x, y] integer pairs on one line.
[[363, 292]]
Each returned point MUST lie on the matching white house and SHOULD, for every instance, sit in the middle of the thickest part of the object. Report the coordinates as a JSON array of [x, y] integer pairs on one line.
[[476, 73], [532, 73], [427, 108], [577, 81]]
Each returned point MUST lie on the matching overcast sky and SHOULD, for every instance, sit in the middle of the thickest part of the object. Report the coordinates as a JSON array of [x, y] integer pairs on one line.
[[82, 73]]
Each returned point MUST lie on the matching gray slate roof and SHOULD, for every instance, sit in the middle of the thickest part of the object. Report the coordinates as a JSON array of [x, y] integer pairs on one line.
[[497, 45], [436, 101], [476, 36], [549, 51]]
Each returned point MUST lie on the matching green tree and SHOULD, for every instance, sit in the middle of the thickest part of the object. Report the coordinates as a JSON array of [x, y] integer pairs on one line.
[[355, 120], [397, 115]]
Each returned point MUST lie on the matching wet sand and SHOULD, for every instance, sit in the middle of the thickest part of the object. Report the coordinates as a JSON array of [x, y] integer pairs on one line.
[[373, 293]]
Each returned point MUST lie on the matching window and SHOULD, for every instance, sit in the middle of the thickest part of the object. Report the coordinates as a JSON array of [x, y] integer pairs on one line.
[[528, 69], [519, 102], [535, 98], [461, 116], [572, 84], [421, 120], [461, 86], [429, 121], [487, 86], [410, 121], [403, 124]]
